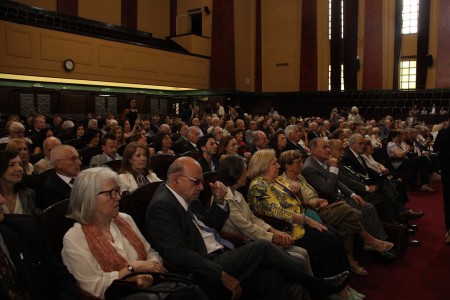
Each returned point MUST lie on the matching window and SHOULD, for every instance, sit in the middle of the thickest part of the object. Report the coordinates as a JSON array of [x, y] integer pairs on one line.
[[342, 77], [410, 16], [329, 19], [407, 74]]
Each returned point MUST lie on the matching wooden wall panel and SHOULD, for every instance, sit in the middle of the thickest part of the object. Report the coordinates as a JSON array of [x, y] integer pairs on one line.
[[443, 49], [308, 55], [372, 64], [68, 7], [129, 14]]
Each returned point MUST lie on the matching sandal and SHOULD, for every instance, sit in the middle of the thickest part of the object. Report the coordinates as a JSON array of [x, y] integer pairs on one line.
[[357, 269], [379, 246]]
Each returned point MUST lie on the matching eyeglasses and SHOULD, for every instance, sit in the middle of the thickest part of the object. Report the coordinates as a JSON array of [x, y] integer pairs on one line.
[[196, 181], [71, 158], [112, 193]]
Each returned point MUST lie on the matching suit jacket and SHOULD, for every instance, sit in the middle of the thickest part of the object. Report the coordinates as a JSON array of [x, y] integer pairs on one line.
[[188, 147], [293, 146], [171, 231], [54, 190], [41, 274], [350, 160], [100, 159], [326, 183], [205, 165], [27, 199], [42, 165]]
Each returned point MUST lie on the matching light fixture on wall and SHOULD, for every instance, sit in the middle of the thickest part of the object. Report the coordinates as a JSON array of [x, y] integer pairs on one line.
[[207, 11]]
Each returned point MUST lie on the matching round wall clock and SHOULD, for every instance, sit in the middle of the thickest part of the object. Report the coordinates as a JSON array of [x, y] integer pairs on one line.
[[69, 65]]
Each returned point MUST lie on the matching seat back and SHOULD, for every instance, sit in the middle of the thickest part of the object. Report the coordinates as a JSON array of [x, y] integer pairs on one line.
[[87, 153], [160, 164], [195, 154], [114, 165], [178, 146], [135, 204], [77, 143], [56, 224], [36, 157]]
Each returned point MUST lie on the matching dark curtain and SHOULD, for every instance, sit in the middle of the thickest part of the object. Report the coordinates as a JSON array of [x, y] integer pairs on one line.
[[335, 45], [397, 42], [308, 51], [423, 36], [258, 49], [350, 44]]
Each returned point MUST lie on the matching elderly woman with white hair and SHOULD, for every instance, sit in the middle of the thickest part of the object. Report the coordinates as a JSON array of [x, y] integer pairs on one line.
[[104, 244], [15, 130]]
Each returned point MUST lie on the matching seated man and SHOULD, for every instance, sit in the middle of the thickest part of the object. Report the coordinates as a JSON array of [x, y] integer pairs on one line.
[[28, 269], [178, 227], [208, 161], [58, 186], [45, 163], [109, 147]]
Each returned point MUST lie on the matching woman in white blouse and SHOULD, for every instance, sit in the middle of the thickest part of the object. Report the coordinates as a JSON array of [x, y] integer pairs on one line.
[[135, 170]]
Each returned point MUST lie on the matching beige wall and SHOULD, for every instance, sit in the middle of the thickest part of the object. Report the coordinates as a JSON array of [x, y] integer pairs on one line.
[[107, 11], [281, 45], [154, 16], [45, 4], [244, 36], [35, 51]]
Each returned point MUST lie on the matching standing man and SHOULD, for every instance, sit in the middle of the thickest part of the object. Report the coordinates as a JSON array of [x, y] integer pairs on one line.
[[442, 147], [220, 110]]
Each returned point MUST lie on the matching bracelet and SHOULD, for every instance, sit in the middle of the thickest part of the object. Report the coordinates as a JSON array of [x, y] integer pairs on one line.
[[303, 219]]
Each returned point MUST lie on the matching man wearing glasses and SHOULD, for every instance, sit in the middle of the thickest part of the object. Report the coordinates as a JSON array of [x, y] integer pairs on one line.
[[186, 236], [58, 186]]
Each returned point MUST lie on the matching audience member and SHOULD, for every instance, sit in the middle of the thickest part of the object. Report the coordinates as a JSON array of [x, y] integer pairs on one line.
[[208, 160], [109, 147], [45, 163], [131, 112], [162, 143], [15, 130]]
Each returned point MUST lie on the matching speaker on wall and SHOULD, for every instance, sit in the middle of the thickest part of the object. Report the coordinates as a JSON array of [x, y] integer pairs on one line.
[[356, 64], [429, 60]]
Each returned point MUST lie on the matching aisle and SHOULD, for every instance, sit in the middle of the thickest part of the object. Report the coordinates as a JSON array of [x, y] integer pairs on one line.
[[424, 272]]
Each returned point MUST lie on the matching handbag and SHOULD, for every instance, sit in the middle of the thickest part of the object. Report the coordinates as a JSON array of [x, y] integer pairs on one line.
[[163, 285]]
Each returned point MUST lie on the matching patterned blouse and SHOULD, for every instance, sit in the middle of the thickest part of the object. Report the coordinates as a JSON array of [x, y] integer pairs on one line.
[[277, 201]]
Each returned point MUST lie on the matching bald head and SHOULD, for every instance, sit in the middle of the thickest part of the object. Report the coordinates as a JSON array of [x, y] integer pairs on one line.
[[50, 143], [185, 178]]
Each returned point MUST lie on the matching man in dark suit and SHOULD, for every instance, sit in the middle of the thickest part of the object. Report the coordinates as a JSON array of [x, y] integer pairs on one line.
[[58, 186], [379, 190], [193, 136], [292, 138], [313, 131], [442, 147], [28, 269], [208, 161], [181, 230], [260, 141], [322, 173]]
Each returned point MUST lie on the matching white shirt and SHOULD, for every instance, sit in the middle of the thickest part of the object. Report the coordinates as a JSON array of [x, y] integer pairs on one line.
[[78, 258]]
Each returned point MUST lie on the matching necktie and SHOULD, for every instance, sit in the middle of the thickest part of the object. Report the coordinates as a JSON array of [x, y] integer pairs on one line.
[[217, 236], [9, 280], [71, 181]]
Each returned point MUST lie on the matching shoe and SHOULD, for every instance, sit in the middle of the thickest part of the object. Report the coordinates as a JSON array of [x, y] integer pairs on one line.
[[384, 257], [413, 226], [410, 215], [411, 231], [357, 269], [414, 243], [426, 188], [337, 281], [379, 246], [321, 287], [447, 237], [353, 292]]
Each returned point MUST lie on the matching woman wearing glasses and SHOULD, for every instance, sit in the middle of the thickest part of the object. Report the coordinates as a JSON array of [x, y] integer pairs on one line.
[[135, 170], [104, 244]]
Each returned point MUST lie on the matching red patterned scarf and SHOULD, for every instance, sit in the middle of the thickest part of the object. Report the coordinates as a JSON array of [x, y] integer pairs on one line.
[[104, 252]]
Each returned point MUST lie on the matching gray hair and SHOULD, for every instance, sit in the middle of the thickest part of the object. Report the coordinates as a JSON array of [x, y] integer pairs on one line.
[[83, 197], [67, 125], [353, 137], [59, 151], [289, 129], [16, 126], [190, 130], [259, 163], [313, 143]]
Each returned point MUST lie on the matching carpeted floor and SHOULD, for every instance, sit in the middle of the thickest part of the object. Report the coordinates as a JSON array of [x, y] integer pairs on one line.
[[423, 272]]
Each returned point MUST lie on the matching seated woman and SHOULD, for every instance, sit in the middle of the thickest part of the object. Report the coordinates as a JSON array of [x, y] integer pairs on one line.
[[104, 244], [418, 165], [233, 173], [277, 141], [19, 199], [135, 170], [162, 143], [92, 137], [238, 134], [339, 215], [118, 132], [21, 146], [270, 195], [228, 145]]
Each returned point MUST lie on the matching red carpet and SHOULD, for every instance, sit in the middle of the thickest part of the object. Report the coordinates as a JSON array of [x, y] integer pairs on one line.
[[423, 272]]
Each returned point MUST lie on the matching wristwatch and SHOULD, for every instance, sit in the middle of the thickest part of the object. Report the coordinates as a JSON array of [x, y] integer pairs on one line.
[[130, 268]]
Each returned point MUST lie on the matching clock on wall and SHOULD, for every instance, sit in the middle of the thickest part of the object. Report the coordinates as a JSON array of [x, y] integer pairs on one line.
[[69, 65]]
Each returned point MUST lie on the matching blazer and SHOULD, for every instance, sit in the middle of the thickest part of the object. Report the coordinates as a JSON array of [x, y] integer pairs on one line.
[[171, 231], [27, 199], [42, 165], [206, 167], [326, 183], [188, 147], [128, 183], [54, 190], [100, 159], [293, 146], [40, 272], [350, 160]]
